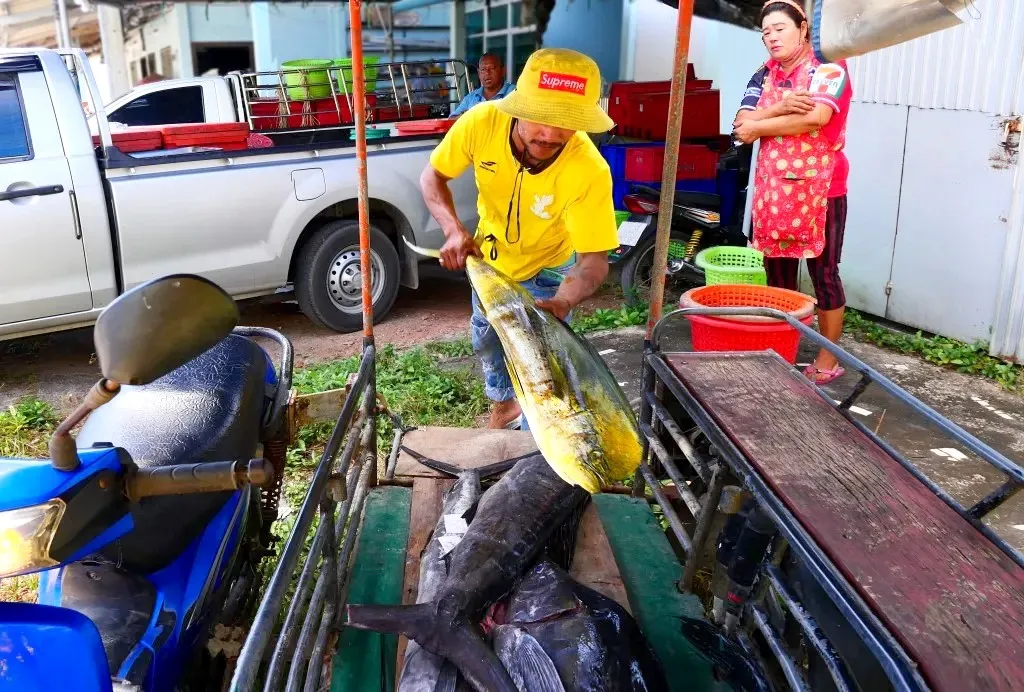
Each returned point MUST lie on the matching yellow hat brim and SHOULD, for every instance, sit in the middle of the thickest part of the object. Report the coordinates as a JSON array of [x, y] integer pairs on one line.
[[579, 118]]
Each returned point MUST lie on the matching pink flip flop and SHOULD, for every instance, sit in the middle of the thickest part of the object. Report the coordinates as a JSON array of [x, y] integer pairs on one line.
[[823, 377]]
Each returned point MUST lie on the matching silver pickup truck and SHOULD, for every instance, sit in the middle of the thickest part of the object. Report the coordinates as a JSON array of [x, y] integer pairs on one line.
[[80, 224]]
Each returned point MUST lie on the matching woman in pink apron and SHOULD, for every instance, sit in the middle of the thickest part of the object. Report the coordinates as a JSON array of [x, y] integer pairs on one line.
[[797, 107]]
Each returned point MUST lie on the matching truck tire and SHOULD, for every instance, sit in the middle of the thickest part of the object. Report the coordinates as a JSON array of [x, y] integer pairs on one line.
[[328, 283]]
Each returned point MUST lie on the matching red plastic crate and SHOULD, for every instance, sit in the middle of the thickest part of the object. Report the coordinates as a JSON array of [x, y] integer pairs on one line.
[[648, 115], [231, 136], [135, 139], [696, 162], [424, 127], [316, 113], [390, 113]]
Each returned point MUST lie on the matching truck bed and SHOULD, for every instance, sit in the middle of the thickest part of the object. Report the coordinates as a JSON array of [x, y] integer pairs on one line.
[[621, 552]]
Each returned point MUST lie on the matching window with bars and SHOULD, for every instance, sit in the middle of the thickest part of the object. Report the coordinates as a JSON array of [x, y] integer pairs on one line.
[[500, 28]]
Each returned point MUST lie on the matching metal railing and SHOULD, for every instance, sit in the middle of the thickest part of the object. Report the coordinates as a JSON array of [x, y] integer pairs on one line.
[[703, 474], [287, 100], [289, 654]]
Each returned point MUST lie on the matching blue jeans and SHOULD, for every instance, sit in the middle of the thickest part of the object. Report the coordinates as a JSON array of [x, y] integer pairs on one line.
[[487, 346]]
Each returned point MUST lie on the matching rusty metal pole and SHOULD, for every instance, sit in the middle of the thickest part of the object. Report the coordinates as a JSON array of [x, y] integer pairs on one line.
[[668, 173], [359, 96]]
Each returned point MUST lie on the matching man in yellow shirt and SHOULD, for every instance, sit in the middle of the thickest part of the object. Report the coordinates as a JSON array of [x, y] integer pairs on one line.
[[545, 197]]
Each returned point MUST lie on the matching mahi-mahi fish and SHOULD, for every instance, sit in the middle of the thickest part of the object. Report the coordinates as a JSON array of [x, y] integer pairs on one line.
[[423, 671], [514, 521], [592, 641], [579, 415]]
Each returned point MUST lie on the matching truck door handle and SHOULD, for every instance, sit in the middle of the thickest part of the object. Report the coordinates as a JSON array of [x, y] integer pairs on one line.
[[32, 192]]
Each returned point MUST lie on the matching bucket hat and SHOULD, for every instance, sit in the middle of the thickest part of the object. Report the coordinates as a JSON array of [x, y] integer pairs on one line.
[[560, 88]]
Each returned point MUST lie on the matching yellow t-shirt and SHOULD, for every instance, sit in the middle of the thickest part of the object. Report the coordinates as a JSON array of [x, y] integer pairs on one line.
[[565, 208]]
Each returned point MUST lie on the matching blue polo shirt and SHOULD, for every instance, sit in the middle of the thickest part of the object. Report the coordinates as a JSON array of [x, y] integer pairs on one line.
[[477, 96]]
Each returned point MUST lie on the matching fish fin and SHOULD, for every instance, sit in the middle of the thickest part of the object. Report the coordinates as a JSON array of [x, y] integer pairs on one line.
[[436, 254], [561, 546], [501, 466], [531, 668], [456, 639], [447, 678]]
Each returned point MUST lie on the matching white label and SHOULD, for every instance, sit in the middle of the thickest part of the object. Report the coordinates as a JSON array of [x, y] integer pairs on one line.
[[630, 231], [454, 524], [448, 543]]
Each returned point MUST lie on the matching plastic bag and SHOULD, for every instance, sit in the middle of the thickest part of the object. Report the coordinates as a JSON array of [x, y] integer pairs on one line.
[[845, 28]]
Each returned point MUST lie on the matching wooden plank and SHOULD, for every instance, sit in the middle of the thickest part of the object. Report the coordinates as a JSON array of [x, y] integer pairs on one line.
[[318, 408], [365, 660], [465, 448], [952, 598], [593, 563], [649, 572], [427, 496]]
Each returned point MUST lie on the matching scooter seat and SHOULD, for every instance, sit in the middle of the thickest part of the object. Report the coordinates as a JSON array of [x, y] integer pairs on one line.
[[209, 409]]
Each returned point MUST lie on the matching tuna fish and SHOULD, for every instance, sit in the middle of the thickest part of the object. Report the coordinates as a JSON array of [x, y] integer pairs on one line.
[[514, 521], [579, 416], [590, 640]]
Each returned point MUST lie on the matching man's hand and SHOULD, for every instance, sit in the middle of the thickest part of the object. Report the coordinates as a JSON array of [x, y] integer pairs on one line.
[[747, 131], [457, 247], [559, 307], [796, 103]]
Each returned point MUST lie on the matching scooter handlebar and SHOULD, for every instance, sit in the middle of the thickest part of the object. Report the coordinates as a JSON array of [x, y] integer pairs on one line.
[[209, 477]]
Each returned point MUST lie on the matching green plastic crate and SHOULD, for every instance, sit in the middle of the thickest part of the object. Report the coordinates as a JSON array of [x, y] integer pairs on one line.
[[732, 265], [344, 67]]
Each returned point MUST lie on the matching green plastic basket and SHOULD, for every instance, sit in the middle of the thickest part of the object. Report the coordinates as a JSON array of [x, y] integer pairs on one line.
[[305, 84], [732, 265], [620, 216], [344, 70]]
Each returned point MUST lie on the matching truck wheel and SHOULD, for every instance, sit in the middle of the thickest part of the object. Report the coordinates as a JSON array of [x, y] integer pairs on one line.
[[328, 282]]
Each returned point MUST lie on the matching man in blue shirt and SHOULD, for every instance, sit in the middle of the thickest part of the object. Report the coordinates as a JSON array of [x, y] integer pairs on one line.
[[491, 69]]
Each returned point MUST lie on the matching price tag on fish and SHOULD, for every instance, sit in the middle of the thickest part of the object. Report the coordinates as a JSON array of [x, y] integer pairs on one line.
[[630, 232]]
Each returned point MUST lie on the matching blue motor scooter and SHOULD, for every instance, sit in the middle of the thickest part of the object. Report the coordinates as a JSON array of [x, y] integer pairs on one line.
[[148, 528]]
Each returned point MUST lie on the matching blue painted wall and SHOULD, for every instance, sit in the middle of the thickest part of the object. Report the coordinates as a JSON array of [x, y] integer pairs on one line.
[[285, 31], [593, 27]]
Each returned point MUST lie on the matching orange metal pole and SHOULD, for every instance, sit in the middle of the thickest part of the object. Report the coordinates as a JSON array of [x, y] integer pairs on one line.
[[668, 173], [359, 97]]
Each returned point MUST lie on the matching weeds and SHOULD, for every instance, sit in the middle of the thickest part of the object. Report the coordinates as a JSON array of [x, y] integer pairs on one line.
[[25, 428], [454, 348], [972, 359], [606, 318]]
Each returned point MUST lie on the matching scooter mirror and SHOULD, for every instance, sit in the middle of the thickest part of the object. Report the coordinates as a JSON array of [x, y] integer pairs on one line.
[[161, 325]]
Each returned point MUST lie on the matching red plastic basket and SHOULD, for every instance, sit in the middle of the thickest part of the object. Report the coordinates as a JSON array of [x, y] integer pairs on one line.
[[747, 333]]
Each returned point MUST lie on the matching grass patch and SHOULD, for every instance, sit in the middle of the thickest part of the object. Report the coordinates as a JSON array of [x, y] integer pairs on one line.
[[454, 348], [971, 359], [25, 428], [610, 318]]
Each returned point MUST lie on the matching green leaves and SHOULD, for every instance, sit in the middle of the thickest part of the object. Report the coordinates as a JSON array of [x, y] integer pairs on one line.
[[25, 428], [971, 359]]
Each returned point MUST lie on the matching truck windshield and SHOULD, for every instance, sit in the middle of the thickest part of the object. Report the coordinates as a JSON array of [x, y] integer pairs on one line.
[[13, 136]]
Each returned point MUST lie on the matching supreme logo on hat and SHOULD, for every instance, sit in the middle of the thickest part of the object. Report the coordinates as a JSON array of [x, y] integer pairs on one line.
[[563, 82]]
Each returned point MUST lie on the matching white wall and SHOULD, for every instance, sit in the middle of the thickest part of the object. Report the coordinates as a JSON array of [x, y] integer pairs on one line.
[[724, 53], [219, 22], [152, 37]]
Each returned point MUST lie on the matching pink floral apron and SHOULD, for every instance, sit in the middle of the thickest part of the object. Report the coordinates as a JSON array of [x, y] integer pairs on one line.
[[791, 181]]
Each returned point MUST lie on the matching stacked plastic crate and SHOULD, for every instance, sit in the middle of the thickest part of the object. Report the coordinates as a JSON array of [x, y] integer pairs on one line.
[[640, 112]]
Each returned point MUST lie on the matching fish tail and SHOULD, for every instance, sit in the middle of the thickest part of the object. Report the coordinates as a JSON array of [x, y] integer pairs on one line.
[[455, 471], [456, 639], [436, 254]]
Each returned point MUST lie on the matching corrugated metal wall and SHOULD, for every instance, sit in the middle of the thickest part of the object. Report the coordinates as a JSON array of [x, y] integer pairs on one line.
[[976, 66]]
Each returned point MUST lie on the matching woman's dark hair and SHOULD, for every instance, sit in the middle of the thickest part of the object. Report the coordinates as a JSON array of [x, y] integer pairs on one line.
[[788, 10]]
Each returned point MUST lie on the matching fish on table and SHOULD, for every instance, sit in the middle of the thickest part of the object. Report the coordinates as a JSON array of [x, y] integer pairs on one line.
[[422, 670], [579, 415], [592, 643], [514, 521]]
